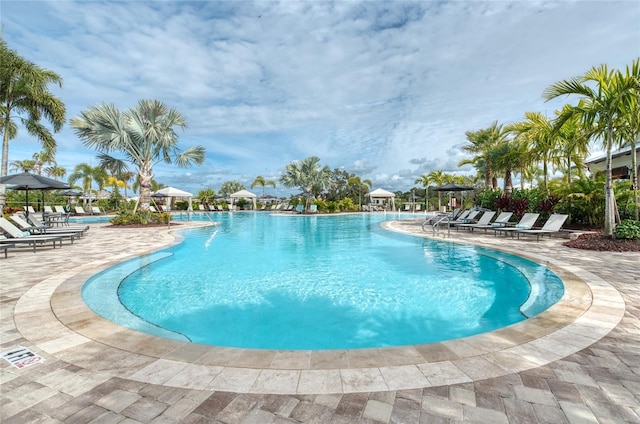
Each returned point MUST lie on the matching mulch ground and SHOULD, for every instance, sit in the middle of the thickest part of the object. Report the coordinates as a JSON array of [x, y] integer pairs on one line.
[[599, 241]]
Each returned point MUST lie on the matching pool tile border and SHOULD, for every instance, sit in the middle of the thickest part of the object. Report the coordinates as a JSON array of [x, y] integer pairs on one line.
[[53, 316]]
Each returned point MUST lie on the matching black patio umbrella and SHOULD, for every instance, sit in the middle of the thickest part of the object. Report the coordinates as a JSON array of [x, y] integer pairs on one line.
[[453, 187], [69, 194], [28, 181]]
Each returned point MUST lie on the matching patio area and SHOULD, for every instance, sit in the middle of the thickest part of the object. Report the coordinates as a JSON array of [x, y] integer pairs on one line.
[[576, 363]]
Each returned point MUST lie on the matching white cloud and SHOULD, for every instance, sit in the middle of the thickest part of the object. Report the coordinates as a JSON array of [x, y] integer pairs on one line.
[[383, 89]]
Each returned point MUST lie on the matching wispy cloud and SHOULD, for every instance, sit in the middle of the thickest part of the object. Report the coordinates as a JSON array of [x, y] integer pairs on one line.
[[383, 89]]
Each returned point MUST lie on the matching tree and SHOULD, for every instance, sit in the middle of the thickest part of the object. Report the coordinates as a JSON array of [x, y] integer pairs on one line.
[[26, 165], [43, 158], [25, 98], [230, 187], [207, 196], [538, 131], [357, 185], [307, 175], [572, 147], [631, 137], [601, 111], [481, 144], [144, 135], [260, 181], [439, 178], [56, 172], [88, 174]]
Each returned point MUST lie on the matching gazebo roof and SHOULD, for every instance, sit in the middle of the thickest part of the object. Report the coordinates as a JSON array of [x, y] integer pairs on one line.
[[243, 193], [380, 193]]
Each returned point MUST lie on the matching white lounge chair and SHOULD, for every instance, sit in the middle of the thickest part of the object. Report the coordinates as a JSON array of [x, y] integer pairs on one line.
[[18, 236], [484, 220], [552, 226], [47, 209], [96, 210], [60, 209], [80, 210], [501, 221], [527, 222]]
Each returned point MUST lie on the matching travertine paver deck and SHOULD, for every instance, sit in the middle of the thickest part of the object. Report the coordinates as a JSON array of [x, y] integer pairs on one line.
[[575, 363]]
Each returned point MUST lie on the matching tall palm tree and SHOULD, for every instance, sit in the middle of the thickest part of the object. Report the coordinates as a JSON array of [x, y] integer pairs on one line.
[[481, 143], [260, 181], [439, 178], [538, 131], [307, 175], [43, 158], [25, 98], [144, 135], [26, 165], [631, 115], [572, 147], [601, 110], [88, 174], [56, 172], [360, 186]]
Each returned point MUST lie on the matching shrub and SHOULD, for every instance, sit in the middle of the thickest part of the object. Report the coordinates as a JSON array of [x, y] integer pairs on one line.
[[140, 218], [489, 199], [628, 229]]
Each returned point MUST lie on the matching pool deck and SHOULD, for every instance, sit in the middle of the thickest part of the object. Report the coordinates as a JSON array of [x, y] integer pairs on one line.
[[578, 362]]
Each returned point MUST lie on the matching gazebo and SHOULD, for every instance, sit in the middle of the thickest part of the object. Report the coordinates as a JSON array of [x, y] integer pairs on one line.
[[174, 192], [379, 196], [244, 194]]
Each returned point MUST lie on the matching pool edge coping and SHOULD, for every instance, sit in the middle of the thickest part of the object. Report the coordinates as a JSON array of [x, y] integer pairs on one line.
[[576, 321]]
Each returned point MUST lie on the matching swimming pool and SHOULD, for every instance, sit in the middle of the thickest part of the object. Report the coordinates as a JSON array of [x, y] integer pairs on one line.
[[318, 282]]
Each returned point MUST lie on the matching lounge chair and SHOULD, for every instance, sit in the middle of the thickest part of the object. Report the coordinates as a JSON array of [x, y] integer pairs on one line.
[[17, 236], [80, 210], [47, 209], [153, 209], [299, 208], [313, 209], [60, 209], [418, 207], [527, 222], [552, 226], [201, 207], [501, 221], [6, 245], [484, 220], [36, 227], [96, 210], [41, 226], [469, 218]]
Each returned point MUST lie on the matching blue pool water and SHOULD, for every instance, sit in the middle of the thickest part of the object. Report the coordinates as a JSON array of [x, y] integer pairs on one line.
[[319, 282]]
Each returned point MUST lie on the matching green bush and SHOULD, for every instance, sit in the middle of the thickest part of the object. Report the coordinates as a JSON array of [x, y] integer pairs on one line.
[[140, 218], [628, 229]]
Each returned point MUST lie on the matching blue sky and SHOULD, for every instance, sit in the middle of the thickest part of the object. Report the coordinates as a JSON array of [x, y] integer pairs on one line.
[[385, 90]]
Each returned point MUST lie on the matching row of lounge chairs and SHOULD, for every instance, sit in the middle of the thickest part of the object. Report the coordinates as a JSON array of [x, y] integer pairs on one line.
[[57, 209], [30, 231], [501, 225]]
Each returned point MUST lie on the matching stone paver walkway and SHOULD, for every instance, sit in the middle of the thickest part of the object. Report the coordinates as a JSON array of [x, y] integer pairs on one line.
[[579, 363]]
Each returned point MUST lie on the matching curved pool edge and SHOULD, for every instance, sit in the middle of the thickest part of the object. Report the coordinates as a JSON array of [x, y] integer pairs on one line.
[[53, 316]]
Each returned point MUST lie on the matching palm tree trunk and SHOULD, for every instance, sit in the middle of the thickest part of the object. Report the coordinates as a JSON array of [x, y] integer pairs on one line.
[[508, 182], [609, 222]]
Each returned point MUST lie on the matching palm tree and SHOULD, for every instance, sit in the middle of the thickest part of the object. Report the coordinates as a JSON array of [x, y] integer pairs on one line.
[[481, 143], [26, 165], [260, 181], [25, 98], [573, 146], [56, 172], [144, 135], [542, 138], [229, 187], [361, 186], [439, 178], [207, 196], [308, 176], [601, 111], [43, 158], [88, 174], [631, 115]]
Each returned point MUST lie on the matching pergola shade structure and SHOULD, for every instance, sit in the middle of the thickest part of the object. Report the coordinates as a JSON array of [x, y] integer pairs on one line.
[[172, 192], [381, 197], [244, 194]]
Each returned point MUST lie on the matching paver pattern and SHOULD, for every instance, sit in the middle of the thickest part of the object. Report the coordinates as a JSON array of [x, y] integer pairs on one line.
[[597, 384]]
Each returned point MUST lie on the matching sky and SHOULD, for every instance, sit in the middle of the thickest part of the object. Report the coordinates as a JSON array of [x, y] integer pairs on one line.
[[384, 90]]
